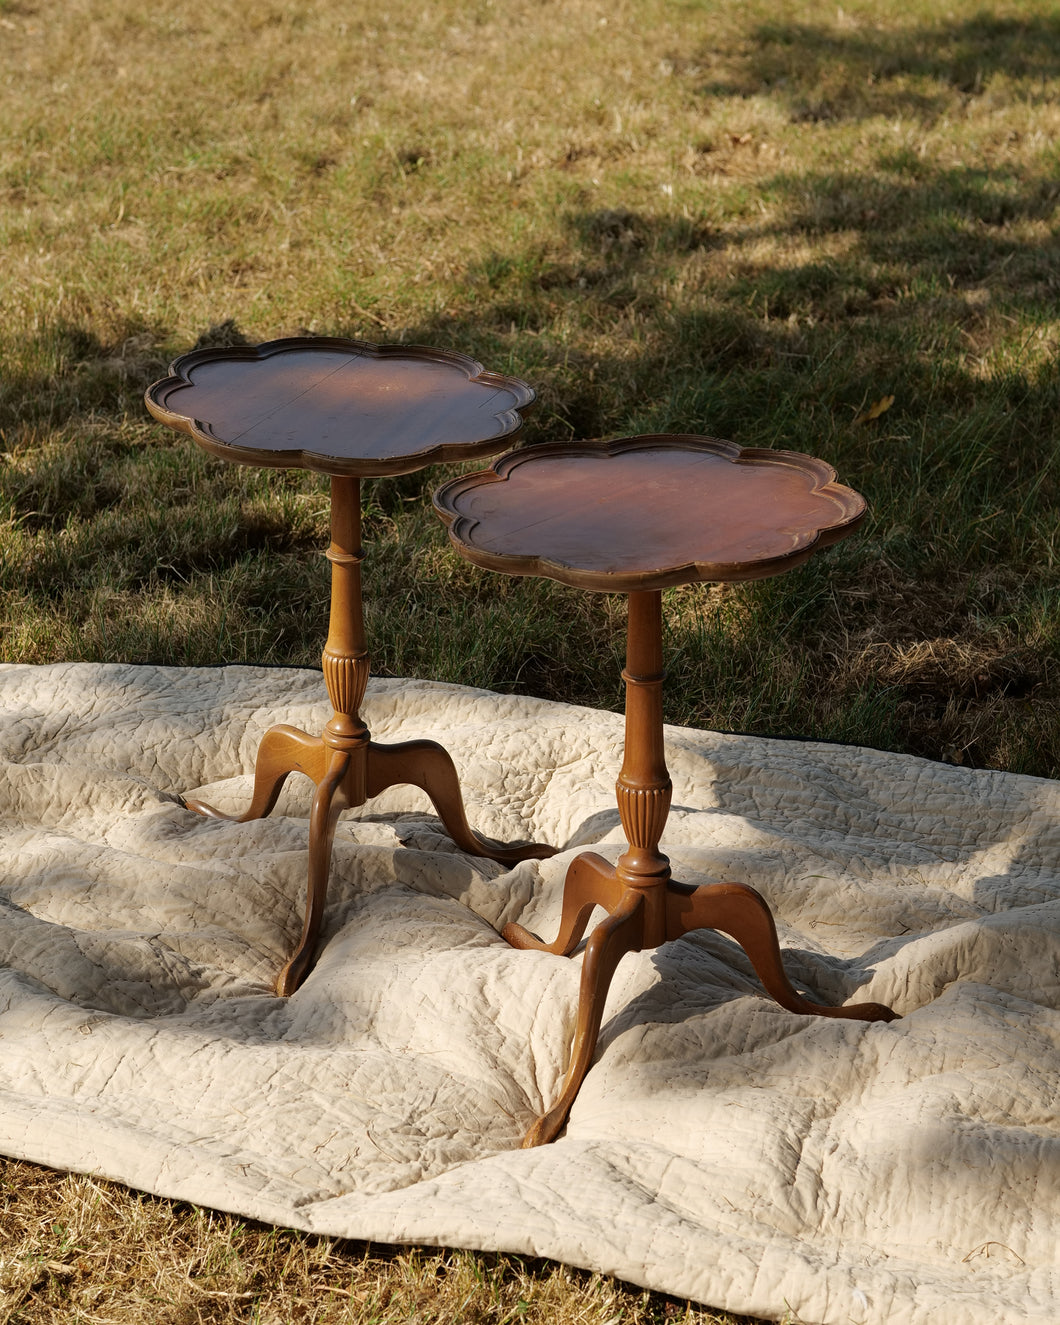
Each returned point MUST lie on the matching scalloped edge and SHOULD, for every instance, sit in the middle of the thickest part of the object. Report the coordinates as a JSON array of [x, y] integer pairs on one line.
[[510, 420], [852, 504]]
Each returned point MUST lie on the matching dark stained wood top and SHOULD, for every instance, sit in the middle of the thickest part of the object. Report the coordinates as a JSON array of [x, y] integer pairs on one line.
[[647, 512], [344, 407]]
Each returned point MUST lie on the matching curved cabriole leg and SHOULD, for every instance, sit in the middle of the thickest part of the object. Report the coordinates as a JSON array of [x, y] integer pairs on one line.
[[743, 913], [590, 883], [283, 750], [328, 803], [429, 766], [619, 933]]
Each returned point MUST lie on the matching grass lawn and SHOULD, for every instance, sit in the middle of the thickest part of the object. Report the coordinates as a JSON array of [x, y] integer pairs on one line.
[[835, 230]]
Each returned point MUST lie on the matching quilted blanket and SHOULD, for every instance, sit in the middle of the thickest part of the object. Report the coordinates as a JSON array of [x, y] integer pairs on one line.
[[721, 1148]]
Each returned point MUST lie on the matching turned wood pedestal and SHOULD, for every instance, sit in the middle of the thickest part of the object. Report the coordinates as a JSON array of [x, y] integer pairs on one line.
[[635, 516], [350, 410]]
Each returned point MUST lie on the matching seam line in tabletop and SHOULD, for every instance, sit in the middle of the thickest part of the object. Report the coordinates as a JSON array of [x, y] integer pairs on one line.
[[298, 396], [497, 391]]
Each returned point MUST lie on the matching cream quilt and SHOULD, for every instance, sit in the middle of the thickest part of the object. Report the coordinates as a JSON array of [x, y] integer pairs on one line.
[[721, 1148]]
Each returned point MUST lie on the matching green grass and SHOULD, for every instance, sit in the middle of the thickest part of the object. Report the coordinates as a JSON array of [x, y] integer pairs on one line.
[[693, 218], [714, 217]]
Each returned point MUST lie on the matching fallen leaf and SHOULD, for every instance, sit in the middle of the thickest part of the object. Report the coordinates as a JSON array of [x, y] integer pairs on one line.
[[874, 411]]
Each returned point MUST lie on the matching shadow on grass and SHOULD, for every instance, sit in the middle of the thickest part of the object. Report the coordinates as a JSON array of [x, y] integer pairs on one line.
[[833, 73], [933, 268], [65, 373], [917, 302], [629, 321]]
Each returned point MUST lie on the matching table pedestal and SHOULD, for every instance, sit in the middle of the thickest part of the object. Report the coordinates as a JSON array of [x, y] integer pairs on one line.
[[645, 906], [346, 765]]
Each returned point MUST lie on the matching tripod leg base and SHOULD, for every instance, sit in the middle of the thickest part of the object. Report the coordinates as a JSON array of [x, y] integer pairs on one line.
[[733, 908]]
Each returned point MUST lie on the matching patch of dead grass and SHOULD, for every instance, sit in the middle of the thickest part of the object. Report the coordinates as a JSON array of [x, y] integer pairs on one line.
[[80, 1249]]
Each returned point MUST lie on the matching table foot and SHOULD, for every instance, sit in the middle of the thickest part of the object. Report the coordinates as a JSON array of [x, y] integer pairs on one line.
[[329, 800], [345, 779], [429, 766], [283, 750]]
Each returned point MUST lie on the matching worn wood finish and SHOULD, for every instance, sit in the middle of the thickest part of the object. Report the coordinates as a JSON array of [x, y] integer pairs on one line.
[[636, 515], [351, 410]]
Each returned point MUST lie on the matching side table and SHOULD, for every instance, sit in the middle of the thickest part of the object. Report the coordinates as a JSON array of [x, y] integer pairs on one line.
[[635, 516], [351, 410]]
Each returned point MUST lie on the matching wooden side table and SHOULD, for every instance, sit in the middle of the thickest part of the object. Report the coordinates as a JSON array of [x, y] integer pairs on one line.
[[351, 410], [635, 516]]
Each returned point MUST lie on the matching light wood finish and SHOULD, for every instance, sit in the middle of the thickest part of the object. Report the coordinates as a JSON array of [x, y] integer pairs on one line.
[[636, 515], [349, 409]]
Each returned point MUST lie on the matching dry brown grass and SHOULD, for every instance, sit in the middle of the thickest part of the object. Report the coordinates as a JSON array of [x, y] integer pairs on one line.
[[79, 1249]]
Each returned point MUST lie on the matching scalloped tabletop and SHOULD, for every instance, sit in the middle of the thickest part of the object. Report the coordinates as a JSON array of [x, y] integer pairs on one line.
[[344, 407], [647, 512]]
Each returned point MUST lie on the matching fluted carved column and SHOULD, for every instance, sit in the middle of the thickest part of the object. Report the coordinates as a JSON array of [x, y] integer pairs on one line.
[[345, 659], [643, 788]]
